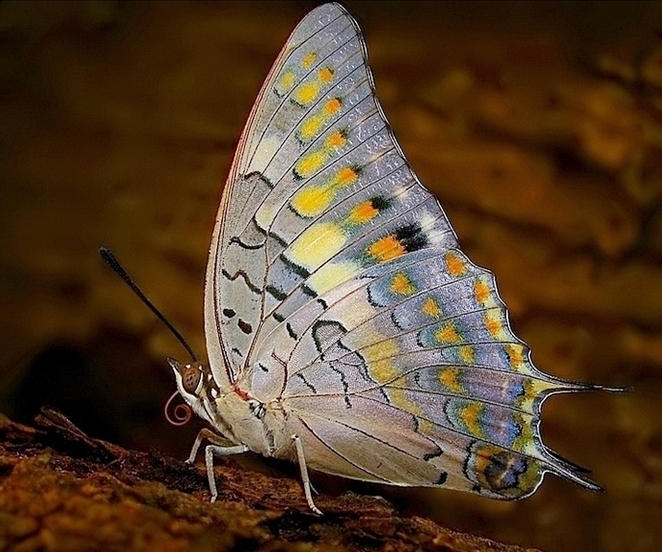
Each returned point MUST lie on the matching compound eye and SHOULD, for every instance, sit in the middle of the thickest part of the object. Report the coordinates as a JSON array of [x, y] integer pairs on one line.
[[191, 378]]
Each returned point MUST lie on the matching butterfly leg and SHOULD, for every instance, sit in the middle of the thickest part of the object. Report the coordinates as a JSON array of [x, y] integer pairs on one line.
[[217, 448], [305, 479], [202, 435]]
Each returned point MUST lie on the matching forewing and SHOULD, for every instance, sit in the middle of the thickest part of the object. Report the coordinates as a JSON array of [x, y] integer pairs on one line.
[[317, 178]]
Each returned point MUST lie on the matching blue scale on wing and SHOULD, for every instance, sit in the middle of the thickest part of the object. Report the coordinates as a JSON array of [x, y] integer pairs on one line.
[[495, 424], [298, 274], [296, 64], [331, 169], [334, 231], [293, 149], [426, 371]]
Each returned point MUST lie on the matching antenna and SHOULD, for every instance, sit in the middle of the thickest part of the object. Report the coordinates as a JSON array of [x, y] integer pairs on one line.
[[113, 263]]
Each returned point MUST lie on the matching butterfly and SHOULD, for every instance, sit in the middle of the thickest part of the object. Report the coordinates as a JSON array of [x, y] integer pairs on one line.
[[346, 330]]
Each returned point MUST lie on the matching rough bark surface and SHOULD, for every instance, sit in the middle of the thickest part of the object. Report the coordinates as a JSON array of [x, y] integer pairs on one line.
[[62, 490]]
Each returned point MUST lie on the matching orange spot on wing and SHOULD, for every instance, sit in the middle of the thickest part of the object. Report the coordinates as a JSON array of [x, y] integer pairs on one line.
[[448, 334], [448, 378], [332, 106], [402, 285], [386, 248], [325, 75], [345, 177], [482, 291], [336, 140], [431, 308], [467, 354], [493, 324], [470, 416], [515, 355], [362, 213], [456, 266]]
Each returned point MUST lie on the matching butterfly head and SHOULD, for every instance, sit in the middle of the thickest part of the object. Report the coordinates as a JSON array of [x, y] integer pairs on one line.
[[190, 380]]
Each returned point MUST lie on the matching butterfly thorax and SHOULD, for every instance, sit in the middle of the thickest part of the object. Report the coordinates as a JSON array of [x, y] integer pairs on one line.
[[253, 423], [232, 411]]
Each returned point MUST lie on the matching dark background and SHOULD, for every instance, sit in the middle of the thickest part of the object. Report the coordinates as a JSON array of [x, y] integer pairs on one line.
[[538, 125]]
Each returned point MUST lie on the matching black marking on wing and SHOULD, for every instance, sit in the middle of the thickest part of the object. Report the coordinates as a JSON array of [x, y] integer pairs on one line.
[[307, 383], [237, 351], [345, 385], [237, 240], [276, 294], [436, 454], [371, 300], [324, 326], [260, 176], [297, 269], [381, 203], [395, 321], [290, 331], [276, 237], [229, 313], [308, 291], [412, 237], [327, 335], [443, 476], [296, 175], [244, 276], [277, 316], [245, 326], [262, 367], [322, 302]]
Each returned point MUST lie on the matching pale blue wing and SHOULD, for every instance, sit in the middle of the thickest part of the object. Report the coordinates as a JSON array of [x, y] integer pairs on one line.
[[317, 176], [423, 347], [336, 288]]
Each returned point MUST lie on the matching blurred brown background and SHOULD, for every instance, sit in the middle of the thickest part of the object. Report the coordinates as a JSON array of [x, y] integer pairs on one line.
[[539, 126]]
